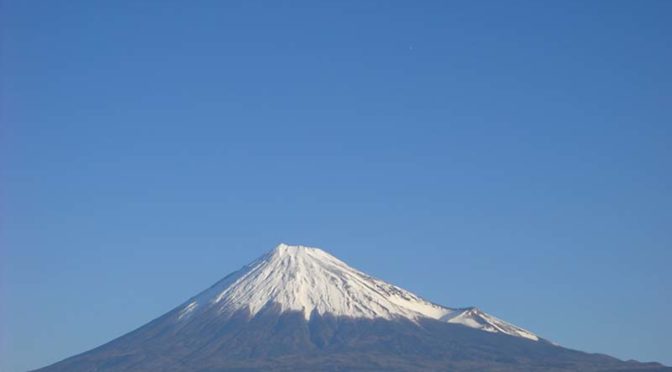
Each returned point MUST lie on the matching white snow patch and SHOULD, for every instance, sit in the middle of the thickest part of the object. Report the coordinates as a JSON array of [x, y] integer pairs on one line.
[[475, 318], [188, 309]]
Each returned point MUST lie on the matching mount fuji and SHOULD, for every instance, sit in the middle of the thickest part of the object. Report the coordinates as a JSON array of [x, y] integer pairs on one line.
[[300, 308]]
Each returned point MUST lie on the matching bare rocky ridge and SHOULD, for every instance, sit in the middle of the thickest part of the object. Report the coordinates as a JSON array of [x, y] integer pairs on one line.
[[299, 308]]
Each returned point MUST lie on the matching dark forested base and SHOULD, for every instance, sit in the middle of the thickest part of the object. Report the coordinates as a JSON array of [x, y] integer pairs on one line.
[[287, 342]]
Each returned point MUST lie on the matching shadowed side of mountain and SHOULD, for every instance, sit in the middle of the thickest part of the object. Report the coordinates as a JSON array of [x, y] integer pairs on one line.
[[287, 341]]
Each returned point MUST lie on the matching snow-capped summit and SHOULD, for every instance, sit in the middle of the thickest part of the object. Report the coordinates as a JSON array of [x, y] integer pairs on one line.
[[310, 280]]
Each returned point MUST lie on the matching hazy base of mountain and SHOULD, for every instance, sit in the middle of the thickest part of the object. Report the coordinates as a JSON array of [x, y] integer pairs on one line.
[[272, 340]]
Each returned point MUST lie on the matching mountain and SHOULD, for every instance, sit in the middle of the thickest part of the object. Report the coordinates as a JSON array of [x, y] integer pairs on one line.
[[300, 308]]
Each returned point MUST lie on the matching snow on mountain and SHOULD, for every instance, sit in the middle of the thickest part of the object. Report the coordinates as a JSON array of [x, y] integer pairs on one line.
[[475, 318], [298, 278]]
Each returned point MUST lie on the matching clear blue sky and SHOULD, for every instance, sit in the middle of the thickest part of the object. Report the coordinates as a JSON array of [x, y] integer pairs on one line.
[[516, 157]]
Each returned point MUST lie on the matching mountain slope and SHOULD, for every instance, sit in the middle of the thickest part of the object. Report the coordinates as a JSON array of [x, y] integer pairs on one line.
[[299, 308]]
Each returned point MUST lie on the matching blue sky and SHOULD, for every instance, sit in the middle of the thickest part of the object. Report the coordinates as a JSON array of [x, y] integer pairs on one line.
[[514, 156]]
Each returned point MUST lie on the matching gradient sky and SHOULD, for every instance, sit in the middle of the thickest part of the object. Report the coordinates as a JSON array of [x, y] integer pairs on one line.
[[516, 156]]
